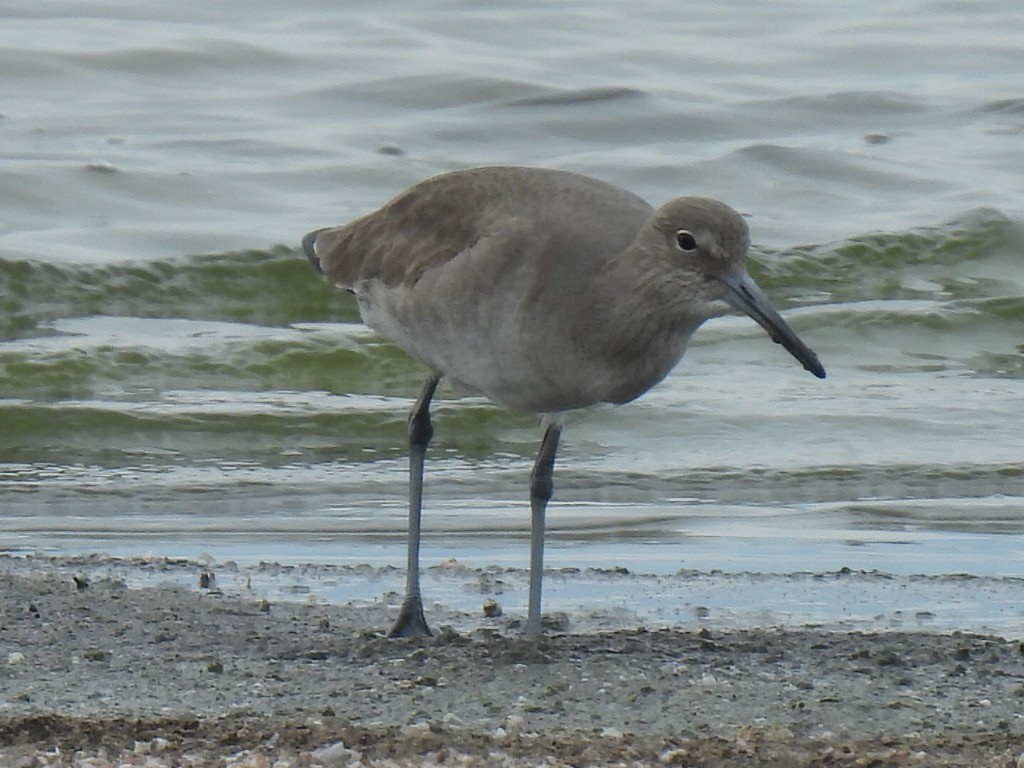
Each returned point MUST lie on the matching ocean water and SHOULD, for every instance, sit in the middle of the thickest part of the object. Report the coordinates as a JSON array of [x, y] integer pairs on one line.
[[175, 380]]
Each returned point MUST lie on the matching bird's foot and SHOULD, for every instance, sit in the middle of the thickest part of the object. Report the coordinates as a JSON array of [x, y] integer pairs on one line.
[[411, 622], [550, 623]]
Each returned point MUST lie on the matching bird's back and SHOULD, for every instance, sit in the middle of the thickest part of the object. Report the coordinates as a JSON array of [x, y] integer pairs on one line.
[[437, 219]]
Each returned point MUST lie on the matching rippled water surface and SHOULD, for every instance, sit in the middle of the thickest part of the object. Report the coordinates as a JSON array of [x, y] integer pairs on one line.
[[175, 379]]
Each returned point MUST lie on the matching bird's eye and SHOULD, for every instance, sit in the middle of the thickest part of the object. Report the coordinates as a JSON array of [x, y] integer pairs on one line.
[[685, 240]]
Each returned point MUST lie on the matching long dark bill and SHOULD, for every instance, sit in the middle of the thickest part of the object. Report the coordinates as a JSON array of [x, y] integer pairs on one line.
[[745, 295]]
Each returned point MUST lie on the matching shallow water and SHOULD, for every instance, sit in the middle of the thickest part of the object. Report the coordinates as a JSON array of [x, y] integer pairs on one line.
[[174, 379]]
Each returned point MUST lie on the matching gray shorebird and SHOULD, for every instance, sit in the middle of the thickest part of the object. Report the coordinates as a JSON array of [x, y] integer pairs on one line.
[[546, 291]]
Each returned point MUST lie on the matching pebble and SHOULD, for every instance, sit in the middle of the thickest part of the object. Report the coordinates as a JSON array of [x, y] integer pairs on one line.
[[336, 754], [420, 728]]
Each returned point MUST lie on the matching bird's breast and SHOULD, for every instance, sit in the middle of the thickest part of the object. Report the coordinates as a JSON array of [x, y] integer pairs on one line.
[[522, 351]]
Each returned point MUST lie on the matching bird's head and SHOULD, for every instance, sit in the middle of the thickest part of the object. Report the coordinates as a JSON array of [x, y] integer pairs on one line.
[[700, 245]]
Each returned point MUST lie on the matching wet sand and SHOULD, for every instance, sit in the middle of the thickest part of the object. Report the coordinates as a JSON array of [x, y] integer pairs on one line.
[[100, 671]]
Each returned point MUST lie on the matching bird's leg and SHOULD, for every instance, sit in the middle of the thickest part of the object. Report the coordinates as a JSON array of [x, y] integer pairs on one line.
[[411, 622], [541, 488]]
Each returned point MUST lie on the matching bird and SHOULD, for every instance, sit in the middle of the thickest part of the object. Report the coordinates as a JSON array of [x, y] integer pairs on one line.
[[545, 290]]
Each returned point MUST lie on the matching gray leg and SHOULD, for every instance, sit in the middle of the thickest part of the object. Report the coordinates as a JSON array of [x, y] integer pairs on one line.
[[541, 488], [411, 622]]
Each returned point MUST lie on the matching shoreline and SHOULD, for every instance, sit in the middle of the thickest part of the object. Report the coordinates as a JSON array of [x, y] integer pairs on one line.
[[173, 675]]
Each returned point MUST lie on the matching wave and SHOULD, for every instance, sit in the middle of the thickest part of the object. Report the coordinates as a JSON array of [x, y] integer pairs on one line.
[[262, 321], [975, 256], [264, 287]]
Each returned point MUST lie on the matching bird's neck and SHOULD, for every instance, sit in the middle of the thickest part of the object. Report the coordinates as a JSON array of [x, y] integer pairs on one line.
[[643, 322]]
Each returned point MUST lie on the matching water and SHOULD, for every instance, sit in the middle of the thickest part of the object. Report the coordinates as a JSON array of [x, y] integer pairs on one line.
[[174, 379]]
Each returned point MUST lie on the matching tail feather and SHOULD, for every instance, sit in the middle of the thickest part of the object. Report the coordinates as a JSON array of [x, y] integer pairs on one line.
[[309, 246]]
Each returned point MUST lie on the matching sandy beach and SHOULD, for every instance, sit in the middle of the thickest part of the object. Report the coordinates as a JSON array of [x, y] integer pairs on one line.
[[96, 672]]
